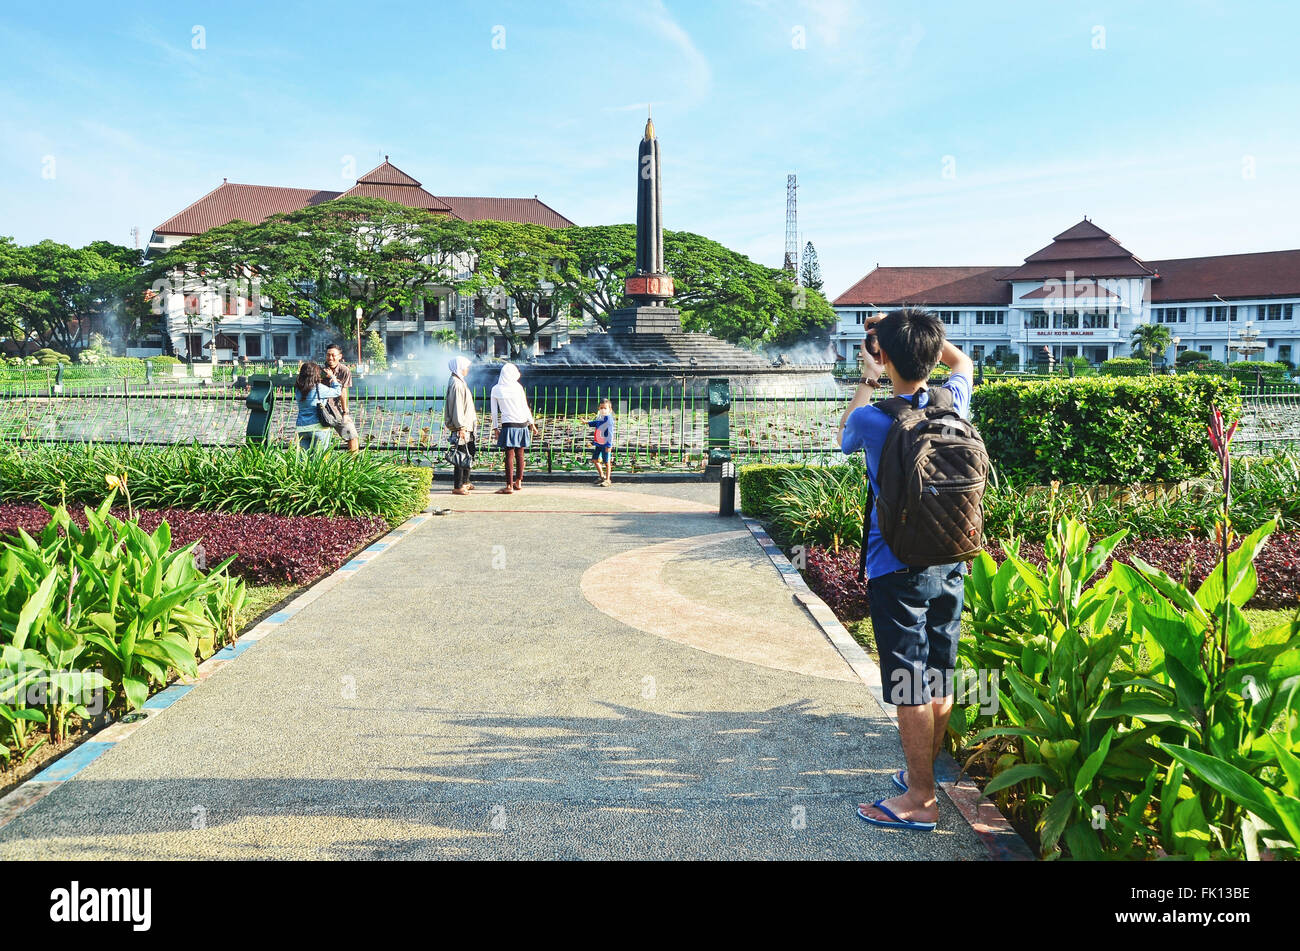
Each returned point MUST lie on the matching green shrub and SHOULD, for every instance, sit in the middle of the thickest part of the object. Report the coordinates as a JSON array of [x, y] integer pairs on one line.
[[1247, 370], [1136, 694], [1191, 356], [110, 608], [820, 505], [759, 484], [50, 358], [1207, 366], [1126, 366], [246, 479], [1102, 430], [423, 484]]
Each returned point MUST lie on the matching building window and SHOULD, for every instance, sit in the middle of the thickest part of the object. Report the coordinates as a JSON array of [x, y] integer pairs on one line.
[[1038, 320], [1275, 311], [1221, 313], [431, 308], [1065, 321], [990, 317], [950, 317], [280, 344], [1170, 315], [252, 346], [1284, 353], [1096, 321]]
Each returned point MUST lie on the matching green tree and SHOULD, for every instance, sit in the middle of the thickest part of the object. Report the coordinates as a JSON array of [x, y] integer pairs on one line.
[[53, 294], [530, 265], [718, 290], [375, 351], [810, 272], [322, 262], [1149, 341]]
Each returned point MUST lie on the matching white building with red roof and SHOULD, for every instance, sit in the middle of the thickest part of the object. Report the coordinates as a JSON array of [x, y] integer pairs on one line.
[[244, 330], [1083, 294]]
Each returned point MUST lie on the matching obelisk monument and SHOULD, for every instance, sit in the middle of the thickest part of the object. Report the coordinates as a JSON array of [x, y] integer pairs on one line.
[[650, 287]]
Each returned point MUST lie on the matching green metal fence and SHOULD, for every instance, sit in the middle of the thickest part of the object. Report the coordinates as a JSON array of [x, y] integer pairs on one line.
[[656, 429]]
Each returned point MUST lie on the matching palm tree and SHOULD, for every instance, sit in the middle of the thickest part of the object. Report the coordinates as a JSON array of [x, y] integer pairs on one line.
[[1150, 340]]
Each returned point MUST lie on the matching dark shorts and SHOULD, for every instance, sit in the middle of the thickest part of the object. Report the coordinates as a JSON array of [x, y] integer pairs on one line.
[[600, 452], [916, 618]]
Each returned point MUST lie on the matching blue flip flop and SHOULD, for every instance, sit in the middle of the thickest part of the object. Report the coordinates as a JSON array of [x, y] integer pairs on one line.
[[898, 780], [909, 824]]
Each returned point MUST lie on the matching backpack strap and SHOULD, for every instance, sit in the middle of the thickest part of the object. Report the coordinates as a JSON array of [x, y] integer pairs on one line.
[[942, 398]]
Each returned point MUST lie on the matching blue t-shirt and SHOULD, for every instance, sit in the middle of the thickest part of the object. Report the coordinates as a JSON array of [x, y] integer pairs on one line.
[[866, 429], [604, 428]]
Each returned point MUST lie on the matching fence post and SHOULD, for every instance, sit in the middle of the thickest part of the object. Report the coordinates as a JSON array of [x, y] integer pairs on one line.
[[719, 441], [126, 403], [260, 402]]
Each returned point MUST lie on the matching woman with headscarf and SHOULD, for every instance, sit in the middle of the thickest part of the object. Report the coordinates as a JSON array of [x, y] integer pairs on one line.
[[512, 425], [459, 417]]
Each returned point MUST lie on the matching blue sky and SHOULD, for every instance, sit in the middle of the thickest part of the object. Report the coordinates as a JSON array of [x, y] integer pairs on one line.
[[1178, 135]]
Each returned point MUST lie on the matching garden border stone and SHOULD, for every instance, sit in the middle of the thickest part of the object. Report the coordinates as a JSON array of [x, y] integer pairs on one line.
[[981, 814]]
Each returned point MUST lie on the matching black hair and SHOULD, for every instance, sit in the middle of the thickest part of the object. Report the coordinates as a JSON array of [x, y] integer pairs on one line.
[[334, 346], [308, 377], [913, 337]]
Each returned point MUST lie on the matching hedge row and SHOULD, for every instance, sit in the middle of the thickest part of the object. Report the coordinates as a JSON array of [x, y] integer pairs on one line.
[[759, 483], [1104, 429]]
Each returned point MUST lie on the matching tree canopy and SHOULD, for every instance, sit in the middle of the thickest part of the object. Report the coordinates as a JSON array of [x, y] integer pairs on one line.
[[323, 262]]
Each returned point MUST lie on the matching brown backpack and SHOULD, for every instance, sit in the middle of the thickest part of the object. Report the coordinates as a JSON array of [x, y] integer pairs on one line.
[[933, 469]]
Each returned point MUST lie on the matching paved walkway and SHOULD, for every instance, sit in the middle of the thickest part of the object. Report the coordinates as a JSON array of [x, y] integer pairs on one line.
[[567, 672]]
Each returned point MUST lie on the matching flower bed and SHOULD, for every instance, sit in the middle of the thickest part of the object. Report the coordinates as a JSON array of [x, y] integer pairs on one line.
[[834, 576], [268, 549]]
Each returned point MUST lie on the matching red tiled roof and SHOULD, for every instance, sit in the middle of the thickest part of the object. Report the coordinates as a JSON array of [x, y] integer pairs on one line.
[[230, 202], [256, 203], [1088, 251], [1262, 274], [387, 174], [412, 196], [1083, 250], [524, 210], [1084, 229], [928, 286]]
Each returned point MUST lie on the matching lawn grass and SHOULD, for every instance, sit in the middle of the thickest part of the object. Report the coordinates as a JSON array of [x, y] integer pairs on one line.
[[261, 598]]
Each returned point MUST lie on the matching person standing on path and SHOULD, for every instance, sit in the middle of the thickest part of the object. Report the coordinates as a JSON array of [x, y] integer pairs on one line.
[[602, 442], [460, 418], [313, 434], [513, 425], [337, 374], [915, 612]]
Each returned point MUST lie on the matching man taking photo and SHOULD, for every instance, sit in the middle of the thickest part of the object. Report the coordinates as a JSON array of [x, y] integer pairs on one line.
[[916, 545], [336, 371]]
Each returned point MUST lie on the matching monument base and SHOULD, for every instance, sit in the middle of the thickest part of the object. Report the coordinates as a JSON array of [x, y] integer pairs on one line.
[[646, 319]]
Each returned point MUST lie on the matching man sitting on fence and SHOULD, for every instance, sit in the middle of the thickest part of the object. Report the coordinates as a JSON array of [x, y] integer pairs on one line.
[[336, 372]]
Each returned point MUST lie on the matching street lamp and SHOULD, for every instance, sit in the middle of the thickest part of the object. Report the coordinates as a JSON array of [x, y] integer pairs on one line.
[[1176, 342], [358, 333]]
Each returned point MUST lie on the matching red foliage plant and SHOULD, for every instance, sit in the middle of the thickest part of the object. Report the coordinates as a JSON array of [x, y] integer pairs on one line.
[[834, 577], [268, 549]]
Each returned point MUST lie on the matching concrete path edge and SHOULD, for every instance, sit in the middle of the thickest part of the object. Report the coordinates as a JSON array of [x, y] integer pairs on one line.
[[981, 814]]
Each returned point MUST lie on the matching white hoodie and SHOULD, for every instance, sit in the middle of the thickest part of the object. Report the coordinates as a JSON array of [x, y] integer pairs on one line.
[[509, 403]]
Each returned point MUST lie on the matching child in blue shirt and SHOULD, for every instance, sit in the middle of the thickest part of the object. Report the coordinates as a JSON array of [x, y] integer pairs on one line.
[[602, 442]]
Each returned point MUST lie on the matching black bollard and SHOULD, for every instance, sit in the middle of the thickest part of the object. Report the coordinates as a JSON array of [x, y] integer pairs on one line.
[[727, 490]]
